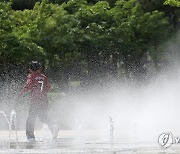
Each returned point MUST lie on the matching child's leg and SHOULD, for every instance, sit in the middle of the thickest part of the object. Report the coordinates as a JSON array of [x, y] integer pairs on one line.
[[43, 116], [30, 122]]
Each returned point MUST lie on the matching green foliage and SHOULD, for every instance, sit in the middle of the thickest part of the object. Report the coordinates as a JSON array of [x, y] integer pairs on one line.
[[5, 20], [73, 6], [138, 27], [175, 3], [16, 46], [65, 34], [152, 5]]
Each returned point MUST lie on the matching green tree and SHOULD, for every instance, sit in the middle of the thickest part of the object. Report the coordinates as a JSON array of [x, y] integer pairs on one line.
[[15, 48], [95, 24], [53, 29], [84, 36], [175, 3], [138, 32]]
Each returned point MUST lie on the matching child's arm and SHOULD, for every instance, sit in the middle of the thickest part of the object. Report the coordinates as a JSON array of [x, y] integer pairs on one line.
[[48, 85], [27, 86]]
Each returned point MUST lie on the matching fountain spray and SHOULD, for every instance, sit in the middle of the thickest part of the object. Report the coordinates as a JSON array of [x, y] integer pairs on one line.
[[13, 120], [111, 130]]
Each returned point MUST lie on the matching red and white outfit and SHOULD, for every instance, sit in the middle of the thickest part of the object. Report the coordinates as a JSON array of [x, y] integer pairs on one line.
[[38, 85]]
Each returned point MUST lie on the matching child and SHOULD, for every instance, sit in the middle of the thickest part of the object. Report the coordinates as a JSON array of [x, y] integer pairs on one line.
[[38, 85]]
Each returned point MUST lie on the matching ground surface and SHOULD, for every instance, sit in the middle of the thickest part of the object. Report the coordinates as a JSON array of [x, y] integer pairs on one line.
[[78, 142]]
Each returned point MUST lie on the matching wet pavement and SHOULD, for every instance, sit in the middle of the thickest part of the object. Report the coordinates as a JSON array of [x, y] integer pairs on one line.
[[71, 145], [87, 148]]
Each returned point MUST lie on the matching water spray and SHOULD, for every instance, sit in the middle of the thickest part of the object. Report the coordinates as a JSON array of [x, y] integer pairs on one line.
[[45, 132], [13, 120], [111, 130]]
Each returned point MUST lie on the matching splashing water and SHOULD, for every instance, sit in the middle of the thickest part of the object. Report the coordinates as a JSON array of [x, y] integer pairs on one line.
[[111, 130], [11, 122], [45, 133]]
